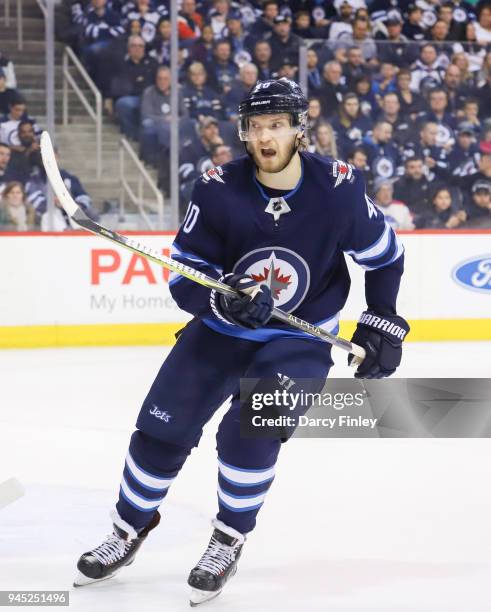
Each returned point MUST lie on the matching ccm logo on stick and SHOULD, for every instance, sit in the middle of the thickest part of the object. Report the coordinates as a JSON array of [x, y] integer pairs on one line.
[[105, 262]]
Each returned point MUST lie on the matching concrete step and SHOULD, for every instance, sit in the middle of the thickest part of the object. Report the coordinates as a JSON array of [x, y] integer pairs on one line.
[[86, 145], [38, 93], [33, 52], [30, 23], [33, 76], [29, 8], [94, 186], [9, 35], [103, 184], [29, 12], [38, 109], [108, 169], [79, 122], [25, 3], [83, 143], [87, 140], [38, 96]]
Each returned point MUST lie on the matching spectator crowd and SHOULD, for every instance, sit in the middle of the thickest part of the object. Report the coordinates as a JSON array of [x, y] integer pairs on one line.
[[23, 183], [400, 89]]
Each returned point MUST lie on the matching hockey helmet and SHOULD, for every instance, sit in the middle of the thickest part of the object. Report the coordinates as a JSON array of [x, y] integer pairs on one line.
[[273, 97]]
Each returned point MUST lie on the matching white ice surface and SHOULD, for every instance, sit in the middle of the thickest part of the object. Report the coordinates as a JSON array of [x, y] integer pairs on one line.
[[382, 525]]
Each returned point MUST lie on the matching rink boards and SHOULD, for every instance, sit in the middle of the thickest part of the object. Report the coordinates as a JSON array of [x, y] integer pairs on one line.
[[75, 289]]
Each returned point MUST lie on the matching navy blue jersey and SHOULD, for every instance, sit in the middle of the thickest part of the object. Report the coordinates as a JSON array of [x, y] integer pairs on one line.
[[295, 245], [102, 27]]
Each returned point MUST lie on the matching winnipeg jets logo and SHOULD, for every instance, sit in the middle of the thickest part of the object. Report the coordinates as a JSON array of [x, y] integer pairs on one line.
[[273, 278], [213, 173], [277, 207], [383, 167], [285, 272], [341, 171]]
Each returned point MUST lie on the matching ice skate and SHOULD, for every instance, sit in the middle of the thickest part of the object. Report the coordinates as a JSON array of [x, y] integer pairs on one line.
[[117, 551], [217, 565]]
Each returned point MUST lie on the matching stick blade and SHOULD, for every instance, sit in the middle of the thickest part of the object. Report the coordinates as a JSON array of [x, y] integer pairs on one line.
[[10, 491], [54, 176]]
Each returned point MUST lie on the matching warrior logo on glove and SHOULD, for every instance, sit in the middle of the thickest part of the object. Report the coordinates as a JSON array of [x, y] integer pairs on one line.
[[381, 336]]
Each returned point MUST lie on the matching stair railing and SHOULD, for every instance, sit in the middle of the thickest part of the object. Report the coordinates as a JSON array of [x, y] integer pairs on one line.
[[154, 205], [70, 61], [20, 23]]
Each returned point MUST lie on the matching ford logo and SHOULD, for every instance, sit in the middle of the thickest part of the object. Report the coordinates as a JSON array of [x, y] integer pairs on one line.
[[474, 274]]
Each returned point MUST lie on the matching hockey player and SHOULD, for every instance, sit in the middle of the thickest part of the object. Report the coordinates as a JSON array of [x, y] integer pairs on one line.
[[274, 223]]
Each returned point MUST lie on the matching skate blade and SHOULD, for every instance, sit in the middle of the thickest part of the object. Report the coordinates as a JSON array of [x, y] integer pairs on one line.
[[198, 597], [82, 580]]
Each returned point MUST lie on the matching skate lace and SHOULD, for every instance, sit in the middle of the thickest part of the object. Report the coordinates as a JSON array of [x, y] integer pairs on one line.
[[217, 557], [111, 550]]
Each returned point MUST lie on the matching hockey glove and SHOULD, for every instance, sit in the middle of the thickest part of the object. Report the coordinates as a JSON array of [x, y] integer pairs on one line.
[[250, 310], [381, 336]]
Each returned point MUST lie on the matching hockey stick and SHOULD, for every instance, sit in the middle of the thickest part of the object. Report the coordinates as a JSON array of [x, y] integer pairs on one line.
[[76, 214], [10, 490]]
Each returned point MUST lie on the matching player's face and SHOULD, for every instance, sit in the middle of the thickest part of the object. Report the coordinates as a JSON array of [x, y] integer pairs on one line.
[[272, 141]]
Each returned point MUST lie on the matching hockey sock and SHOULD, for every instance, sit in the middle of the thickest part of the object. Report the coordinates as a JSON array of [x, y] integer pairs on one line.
[[150, 468], [241, 493]]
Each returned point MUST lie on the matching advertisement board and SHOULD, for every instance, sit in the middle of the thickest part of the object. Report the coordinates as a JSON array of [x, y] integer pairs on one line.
[[76, 289]]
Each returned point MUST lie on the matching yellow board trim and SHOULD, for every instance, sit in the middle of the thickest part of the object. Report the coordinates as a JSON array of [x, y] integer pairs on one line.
[[44, 336]]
